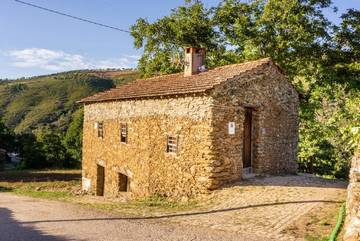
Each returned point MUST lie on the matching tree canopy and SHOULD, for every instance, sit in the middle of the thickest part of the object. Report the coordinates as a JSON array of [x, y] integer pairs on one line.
[[321, 59]]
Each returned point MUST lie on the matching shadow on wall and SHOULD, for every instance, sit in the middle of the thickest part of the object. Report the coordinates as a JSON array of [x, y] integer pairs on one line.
[[12, 230], [299, 180]]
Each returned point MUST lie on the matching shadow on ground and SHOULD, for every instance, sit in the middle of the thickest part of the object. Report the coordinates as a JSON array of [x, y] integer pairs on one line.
[[198, 213], [34, 176], [12, 230], [5, 189], [300, 180]]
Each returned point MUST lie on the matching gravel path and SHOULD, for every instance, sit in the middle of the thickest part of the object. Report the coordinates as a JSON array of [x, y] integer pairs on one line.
[[24, 218], [267, 206]]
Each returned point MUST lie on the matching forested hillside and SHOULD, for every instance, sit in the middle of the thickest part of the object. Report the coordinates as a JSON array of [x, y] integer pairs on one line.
[[26, 104], [43, 115]]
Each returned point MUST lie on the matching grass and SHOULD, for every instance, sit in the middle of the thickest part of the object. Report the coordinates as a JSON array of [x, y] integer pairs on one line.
[[148, 206], [324, 221], [311, 238], [65, 185], [52, 195]]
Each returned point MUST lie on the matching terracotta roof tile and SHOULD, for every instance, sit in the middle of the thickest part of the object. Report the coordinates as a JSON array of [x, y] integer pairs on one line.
[[173, 84]]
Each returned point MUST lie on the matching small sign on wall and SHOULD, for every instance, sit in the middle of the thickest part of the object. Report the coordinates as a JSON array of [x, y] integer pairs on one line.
[[86, 184], [231, 128]]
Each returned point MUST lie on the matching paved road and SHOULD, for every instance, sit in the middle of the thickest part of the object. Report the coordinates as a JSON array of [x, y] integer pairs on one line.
[[29, 219]]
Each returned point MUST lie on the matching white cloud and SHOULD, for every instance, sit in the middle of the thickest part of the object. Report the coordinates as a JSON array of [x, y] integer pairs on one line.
[[52, 60]]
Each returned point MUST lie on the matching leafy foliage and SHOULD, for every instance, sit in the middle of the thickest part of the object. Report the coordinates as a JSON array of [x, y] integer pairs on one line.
[[42, 101], [321, 60], [46, 119], [73, 137], [7, 137], [163, 40]]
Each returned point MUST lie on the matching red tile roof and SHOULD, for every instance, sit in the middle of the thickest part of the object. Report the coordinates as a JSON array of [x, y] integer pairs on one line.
[[174, 84]]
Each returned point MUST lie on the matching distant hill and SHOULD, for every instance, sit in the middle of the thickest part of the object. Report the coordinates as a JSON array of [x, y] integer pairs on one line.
[[27, 104]]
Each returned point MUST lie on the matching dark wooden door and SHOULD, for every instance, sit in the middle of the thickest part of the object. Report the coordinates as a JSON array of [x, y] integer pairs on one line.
[[247, 138], [100, 180], [123, 183]]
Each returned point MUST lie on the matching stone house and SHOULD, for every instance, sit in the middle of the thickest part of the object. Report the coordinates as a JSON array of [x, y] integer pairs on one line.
[[187, 133]]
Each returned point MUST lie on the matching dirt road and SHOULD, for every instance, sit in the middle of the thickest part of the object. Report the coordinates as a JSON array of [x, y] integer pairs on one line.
[[24, 218]]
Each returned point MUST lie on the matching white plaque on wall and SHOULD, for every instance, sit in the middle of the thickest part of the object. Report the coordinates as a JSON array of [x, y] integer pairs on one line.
[[86, 184], [231, 128]]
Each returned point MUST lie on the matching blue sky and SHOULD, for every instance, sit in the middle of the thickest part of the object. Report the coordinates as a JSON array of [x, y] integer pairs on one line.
[[35, 42]]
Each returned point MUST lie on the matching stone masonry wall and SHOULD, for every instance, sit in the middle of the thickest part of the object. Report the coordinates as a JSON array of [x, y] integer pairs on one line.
[[208, 156], [352, 223], [144, 158], [274, 125]]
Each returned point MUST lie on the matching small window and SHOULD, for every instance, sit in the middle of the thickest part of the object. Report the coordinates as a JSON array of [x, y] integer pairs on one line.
[[123, 133], [100, 130], [172, 144]]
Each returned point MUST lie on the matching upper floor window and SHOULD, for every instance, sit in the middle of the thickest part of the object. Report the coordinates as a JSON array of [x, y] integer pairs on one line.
[[172, 144], [123, 133], [100, 129]]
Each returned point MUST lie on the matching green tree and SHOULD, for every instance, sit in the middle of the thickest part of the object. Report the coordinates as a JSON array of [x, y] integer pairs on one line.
[[73, 137], [321, 60], [7, 138], [30, 152], [52, 148], [163, 41]]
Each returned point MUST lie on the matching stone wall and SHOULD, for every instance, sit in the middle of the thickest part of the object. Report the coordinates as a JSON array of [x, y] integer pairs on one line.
[[144, 158], [208, 156], [352, 223], [274, 124]]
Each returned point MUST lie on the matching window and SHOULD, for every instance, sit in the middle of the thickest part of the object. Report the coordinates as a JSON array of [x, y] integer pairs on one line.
[[172, 144], [100, 130], [123, 133]]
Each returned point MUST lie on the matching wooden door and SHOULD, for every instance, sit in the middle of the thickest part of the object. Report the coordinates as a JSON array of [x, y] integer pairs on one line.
[[100, 180], [247, 138], [123, 183]]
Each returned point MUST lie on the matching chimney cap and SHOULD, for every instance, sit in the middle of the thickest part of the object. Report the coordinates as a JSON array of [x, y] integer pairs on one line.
[[194, 60], [194, 50]]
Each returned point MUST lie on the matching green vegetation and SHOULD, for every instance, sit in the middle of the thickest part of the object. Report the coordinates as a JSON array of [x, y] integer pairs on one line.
[[45, 117], [46, 101], [48, 184], [6, 137], [65, 185], [311, 238], [321, 59]]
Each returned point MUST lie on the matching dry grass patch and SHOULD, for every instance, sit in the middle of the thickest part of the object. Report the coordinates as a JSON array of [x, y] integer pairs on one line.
[[65, 185], [317, 225]]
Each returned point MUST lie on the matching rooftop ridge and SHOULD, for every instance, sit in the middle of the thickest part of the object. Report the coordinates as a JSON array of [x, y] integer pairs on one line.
[[177, 83]]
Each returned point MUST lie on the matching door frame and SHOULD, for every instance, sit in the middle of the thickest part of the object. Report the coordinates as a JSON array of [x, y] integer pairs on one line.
[[100, 184], [247, 151]]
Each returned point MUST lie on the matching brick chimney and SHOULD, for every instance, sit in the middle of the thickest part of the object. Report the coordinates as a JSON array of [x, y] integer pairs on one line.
[[194, 61]]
